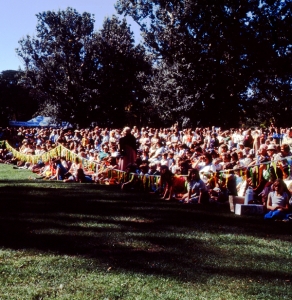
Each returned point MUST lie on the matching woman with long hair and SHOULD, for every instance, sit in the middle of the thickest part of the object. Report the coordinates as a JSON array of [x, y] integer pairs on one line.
[[195, 188], [278, 202]]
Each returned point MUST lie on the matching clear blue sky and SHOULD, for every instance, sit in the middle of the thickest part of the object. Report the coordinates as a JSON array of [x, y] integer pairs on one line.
[[17, 19]]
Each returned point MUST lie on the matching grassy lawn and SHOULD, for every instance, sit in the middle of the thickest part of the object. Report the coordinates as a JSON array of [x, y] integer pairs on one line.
[[82, 241]]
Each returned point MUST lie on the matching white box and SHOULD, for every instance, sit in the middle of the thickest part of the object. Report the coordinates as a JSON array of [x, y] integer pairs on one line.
[[233, 200], [250, 209]]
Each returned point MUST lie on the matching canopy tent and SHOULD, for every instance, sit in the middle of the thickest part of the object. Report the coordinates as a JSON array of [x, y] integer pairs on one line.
[[40, 121]]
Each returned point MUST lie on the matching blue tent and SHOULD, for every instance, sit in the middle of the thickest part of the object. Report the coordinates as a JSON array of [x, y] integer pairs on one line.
[[40, 121]]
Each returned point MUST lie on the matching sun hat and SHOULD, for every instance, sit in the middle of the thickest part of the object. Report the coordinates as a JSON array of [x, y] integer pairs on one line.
[[263, 146], [271, 147]]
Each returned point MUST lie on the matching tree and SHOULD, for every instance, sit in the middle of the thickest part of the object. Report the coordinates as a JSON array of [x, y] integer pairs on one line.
[[54, 63], [15, 100], [216, 62], [80, 75], [271, 56], [122, 69]]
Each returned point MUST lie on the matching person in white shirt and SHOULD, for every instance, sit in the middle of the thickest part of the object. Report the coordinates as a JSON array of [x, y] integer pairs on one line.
[[288, 137], [164, 160], [158, 153], [237, 137], [175, 138], [208, 169]]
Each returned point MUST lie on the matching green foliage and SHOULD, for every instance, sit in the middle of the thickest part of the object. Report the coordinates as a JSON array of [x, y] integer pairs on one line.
[[79, 75], [121, 69], [224, 63], [54, 61], [217, 63], [15, 101]]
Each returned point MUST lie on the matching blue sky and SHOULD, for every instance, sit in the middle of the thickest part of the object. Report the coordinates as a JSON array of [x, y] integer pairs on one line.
[[17, 19]]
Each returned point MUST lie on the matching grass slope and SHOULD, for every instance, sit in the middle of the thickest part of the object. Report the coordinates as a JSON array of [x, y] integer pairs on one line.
[[82, 241]]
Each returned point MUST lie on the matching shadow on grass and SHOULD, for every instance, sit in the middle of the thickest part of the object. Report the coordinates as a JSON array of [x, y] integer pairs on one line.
[[133, 232]]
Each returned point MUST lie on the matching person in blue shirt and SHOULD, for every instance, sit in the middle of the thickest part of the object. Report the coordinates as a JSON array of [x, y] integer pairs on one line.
[[277, 136], [60, 170]]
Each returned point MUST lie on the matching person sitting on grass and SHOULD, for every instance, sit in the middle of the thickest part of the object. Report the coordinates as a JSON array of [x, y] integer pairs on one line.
[[60, 170], [278, 202], [45, 171], [72, 173], [82, 178], [195, 188]]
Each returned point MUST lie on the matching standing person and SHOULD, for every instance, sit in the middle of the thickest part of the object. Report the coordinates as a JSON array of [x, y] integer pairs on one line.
[[256, 140], [127, 148], [248, 139], [166, 182]]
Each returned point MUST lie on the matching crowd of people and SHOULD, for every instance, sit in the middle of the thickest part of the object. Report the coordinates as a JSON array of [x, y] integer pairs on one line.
[[211, 159]]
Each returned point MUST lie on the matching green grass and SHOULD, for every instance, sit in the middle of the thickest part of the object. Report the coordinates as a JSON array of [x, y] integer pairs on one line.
[[82, 241]]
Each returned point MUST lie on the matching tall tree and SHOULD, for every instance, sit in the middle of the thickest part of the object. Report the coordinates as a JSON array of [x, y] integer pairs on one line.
[[15, 100], [122, 69], [216, 61], [80, 75], [54, 63]]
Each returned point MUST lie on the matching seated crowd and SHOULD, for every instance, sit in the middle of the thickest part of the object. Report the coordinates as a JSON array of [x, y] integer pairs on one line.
[[212, 159]]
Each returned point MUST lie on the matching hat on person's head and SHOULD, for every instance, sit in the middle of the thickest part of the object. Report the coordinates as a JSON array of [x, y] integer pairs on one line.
[[76, 130], [240, 144], [272, 147]]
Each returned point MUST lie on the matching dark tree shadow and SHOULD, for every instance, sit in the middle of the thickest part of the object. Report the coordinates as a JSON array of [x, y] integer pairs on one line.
[[133, 232]]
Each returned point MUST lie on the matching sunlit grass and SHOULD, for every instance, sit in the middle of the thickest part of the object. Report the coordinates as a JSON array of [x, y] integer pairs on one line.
[[78, 241]]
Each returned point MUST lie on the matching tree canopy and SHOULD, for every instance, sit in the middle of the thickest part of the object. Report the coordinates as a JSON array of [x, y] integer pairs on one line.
[[15, 100], [79, 75], [217, 63], [121, 71], [224, 63]]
